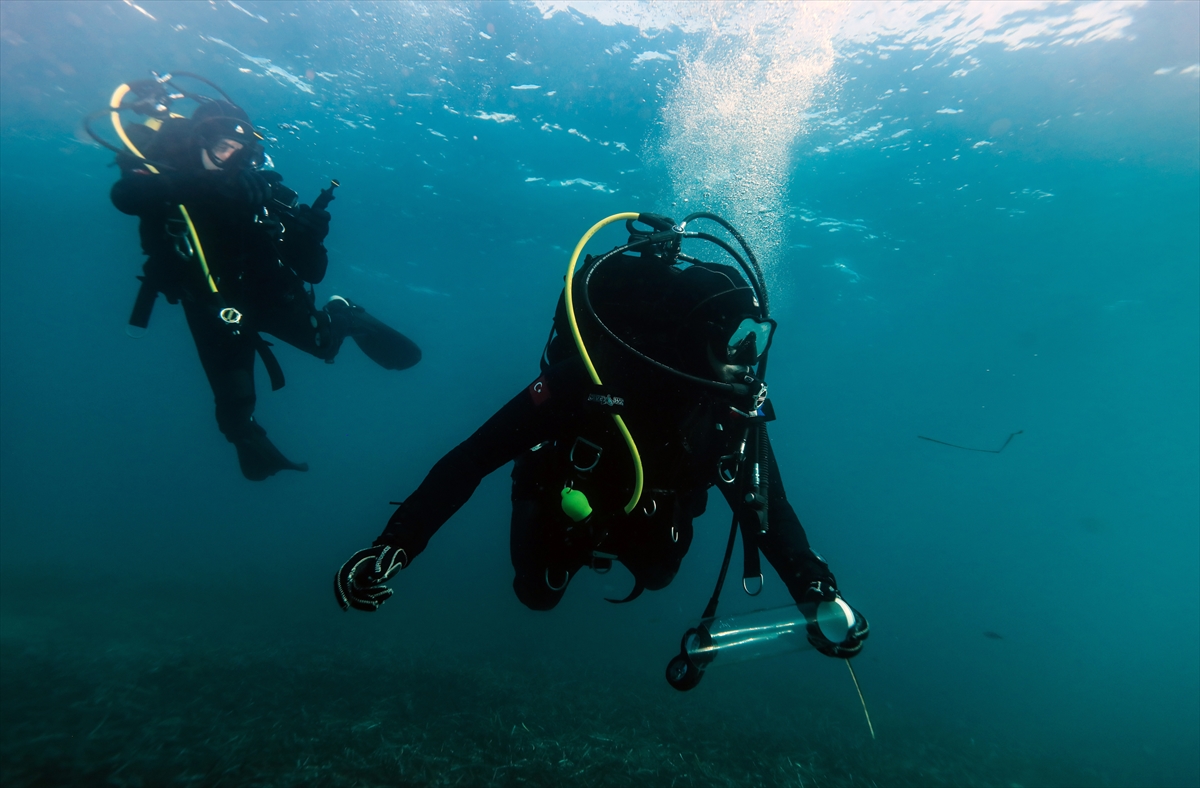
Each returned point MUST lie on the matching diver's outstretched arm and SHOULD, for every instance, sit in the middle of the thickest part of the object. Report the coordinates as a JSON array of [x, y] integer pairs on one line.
[[785, 544], [529, 418], [141, 192], [804, 572], [526, 420]]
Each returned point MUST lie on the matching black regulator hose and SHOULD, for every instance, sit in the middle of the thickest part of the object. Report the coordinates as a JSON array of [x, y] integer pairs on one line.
[[209, 82], [755, 282], [741, 241], [736, 389]]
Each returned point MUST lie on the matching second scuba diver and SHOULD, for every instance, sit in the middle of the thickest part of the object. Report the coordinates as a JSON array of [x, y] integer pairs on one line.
[[231, 243], [616, 468]]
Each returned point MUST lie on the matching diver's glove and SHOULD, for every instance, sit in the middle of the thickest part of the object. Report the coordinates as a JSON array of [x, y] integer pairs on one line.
[[823, 590], [359, 584], [248, 187], [312, 223], [180, 187]]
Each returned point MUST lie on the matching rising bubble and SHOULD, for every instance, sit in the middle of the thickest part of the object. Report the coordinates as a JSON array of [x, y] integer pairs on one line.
[[732, 121]]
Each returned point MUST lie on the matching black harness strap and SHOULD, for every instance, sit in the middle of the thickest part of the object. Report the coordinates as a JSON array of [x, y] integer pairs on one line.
[[711, 609], [274, 371], [756, 515], [751, 568], [762, 448], [143, 305], [752, 518]]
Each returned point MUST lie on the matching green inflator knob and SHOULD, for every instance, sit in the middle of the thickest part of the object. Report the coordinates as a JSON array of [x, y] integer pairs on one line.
[[575, 505]]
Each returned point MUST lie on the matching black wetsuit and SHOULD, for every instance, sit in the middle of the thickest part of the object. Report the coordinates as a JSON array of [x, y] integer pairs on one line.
[[259, 275], [681, 434]]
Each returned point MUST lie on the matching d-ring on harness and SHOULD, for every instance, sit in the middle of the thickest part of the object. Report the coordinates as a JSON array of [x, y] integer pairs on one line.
[[566, 579]]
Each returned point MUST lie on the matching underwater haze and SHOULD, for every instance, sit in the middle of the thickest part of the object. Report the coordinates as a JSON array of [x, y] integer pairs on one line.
[[976, 220]]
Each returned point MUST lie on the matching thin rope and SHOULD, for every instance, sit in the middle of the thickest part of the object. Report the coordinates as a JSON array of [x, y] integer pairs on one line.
[[861, 700], [968, 448]]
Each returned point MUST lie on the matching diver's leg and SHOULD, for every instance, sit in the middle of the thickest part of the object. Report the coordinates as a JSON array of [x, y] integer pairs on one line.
[[228, 362], [652, 548], [652, 541], [294, 318], [290, 315], [383, 344], [543, 563]]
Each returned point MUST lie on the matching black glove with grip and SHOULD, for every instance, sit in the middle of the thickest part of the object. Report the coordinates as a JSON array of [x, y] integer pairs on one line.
[[823, 591], [359, 584], [247, 187]]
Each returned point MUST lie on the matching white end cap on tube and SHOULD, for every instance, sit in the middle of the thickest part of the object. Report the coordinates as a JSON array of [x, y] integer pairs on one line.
[[835, 620]]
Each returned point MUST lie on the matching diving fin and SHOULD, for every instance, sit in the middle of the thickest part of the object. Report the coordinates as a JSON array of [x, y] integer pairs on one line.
[[258, 457], [383, 344], [638, 588]]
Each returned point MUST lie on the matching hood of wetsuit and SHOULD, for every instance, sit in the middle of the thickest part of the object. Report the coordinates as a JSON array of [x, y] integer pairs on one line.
[[718, 317], [217, 120]]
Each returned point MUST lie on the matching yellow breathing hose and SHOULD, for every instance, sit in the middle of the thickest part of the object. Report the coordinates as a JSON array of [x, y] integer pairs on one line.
[[114, 104], [633, 450]]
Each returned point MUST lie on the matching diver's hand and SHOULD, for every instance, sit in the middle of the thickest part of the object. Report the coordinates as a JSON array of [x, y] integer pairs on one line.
[[359, 584], [850, 647], [247, 187], [824, 591], [312, 223]]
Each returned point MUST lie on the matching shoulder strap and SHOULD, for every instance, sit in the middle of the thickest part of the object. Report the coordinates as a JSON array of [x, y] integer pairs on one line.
[[143, 305], [274, 371]]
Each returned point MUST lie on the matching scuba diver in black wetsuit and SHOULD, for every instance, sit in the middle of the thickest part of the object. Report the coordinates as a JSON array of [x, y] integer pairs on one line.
[[233, 245], [617, 470]]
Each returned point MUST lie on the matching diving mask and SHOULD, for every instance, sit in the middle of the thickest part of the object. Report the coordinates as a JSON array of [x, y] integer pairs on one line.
[[749, 341], [230, 142]]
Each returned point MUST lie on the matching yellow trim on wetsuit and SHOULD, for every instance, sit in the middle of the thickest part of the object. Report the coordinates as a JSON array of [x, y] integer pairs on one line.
[[633, 450]]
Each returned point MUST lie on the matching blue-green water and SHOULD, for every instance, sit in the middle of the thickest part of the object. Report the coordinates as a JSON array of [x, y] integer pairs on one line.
[[976, 220]]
